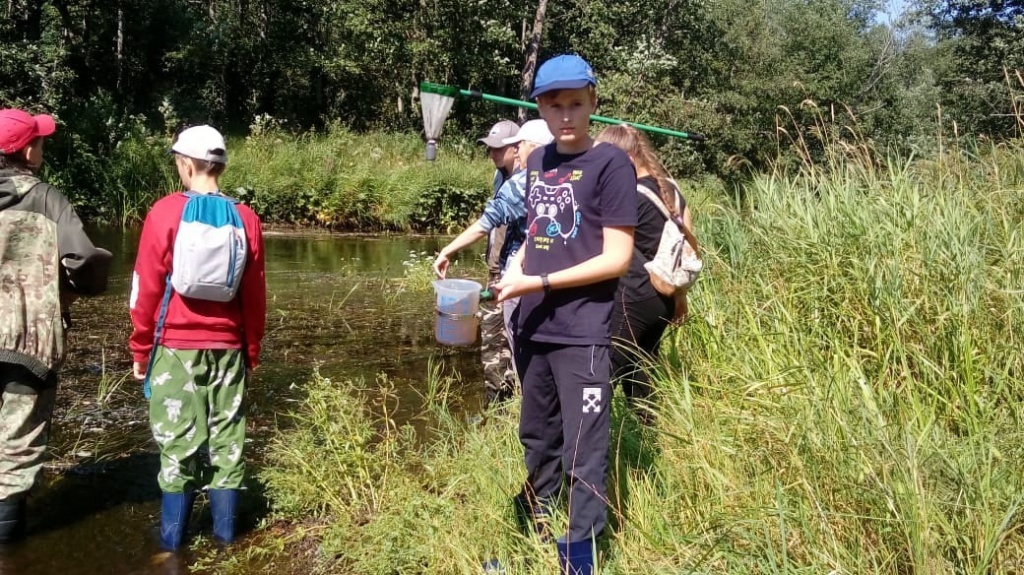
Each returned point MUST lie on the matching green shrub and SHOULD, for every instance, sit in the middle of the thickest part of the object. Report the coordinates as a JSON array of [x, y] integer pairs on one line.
[[335, 179]]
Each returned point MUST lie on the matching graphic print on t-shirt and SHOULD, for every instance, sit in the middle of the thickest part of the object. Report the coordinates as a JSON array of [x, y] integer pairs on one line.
[[557, 211]]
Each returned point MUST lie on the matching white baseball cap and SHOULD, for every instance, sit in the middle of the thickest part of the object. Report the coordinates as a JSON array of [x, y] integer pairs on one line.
[[535, 131], [202, 143]]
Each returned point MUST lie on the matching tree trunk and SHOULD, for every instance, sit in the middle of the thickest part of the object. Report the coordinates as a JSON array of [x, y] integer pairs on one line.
[[33, 30], [67, 21], [532, 49], [120, 48]]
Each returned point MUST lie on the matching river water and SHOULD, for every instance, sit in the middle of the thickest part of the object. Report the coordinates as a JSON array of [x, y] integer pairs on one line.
[[352, 307]]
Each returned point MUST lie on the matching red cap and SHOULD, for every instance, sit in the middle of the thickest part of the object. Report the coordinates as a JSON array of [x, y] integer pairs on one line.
[[19, 128]]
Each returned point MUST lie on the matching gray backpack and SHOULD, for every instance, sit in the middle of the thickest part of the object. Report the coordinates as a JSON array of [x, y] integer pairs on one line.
[[209, 249]]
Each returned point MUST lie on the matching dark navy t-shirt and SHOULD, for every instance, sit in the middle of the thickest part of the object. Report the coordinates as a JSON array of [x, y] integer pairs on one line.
[[569, 199]]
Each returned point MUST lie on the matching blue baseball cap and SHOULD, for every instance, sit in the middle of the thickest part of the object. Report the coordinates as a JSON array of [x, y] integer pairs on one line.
[[565, 72]]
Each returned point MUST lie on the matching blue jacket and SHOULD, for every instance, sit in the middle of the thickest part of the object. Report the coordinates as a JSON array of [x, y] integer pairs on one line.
[[508, 208]]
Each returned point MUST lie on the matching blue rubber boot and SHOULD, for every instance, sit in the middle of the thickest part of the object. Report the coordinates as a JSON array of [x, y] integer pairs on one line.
[[175, 510], [576, 558], [223, 506]]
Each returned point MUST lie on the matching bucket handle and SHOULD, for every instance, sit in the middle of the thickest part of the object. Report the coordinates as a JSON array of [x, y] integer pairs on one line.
[[449, 315]]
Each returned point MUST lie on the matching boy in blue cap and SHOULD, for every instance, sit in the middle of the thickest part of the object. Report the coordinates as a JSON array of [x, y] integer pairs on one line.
[[581, 211]]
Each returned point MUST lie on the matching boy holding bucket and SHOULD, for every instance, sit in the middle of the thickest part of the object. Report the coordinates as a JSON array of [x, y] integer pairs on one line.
[[581, 211], [507, 209], [496, 354]]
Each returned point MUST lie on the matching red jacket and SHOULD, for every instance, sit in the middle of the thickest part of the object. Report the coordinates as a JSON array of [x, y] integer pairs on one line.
[[193, 323]]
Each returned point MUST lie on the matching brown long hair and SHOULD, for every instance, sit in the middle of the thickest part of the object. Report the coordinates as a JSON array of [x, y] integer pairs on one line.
[[636, 144]]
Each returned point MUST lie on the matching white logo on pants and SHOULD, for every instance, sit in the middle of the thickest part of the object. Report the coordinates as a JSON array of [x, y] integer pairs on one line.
[[591, 400]]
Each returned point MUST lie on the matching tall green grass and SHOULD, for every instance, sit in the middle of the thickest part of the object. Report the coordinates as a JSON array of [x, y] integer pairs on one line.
[[358, 182], [845, 398], [334, 179]]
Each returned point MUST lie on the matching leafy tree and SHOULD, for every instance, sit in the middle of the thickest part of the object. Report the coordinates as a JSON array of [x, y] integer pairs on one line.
[[745, 74], [984, 86]]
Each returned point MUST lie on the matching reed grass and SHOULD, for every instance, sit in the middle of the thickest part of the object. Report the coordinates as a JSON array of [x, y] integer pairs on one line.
[[845, 398]]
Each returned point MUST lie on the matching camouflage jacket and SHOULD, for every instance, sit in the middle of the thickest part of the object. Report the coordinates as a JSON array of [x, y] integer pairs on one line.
[[45, 259]]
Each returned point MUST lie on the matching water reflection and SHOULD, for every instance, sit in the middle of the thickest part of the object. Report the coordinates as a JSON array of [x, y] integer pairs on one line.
[[343, 305]]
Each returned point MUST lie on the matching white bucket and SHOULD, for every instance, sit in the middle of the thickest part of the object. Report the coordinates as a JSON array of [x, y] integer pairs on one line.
[[457, 304]]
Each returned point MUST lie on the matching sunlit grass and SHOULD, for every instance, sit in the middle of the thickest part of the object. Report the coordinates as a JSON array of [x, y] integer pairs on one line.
[[334, 179], [845, 398]]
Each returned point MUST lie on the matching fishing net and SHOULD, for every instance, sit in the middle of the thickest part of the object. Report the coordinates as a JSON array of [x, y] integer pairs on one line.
[[437, 101]]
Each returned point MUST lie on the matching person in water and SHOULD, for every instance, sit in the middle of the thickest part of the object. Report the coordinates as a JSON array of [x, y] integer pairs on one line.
[[198, 364], [46, 262]]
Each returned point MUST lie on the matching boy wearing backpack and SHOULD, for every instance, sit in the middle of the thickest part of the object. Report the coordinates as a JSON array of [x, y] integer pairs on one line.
[[581, 211], [198, 307]]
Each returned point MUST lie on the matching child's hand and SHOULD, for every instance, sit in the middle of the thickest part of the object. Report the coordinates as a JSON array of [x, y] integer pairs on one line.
[[441, 265], [515, 283], [139, 370]]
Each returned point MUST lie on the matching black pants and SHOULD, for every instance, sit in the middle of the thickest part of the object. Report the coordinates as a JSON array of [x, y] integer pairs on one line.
[[564, 428], [637, 328]]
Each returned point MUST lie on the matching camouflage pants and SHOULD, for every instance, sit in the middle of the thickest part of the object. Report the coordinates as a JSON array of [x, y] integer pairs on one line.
[[510, 309], [197, 402], [24, 431], [499, 375]]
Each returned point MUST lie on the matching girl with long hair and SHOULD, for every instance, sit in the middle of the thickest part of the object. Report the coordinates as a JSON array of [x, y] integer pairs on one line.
[[641, 314]]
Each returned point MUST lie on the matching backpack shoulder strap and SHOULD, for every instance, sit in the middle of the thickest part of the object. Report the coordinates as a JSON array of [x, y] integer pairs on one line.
[[680, 203], [680, 209], [655, 199], [157, 334]]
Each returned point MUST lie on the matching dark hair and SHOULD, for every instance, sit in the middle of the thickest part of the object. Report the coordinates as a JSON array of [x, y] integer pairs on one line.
[[636, 144], [10, 163], [214, 169]]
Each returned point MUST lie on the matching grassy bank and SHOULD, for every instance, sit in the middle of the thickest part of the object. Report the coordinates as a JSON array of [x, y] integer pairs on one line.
[[334, 179], [846, 398]]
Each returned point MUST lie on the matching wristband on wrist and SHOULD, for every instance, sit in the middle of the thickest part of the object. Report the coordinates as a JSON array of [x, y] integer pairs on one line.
[[545, 283]]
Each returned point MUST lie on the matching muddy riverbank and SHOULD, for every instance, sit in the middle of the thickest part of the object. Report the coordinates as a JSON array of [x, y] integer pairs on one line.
[[354, 307]]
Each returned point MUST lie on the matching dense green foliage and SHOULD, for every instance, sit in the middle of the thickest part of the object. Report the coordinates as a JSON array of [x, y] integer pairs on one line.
[[342, 180], [845, 398], [125, 73], [985, 39], [335, 179]]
